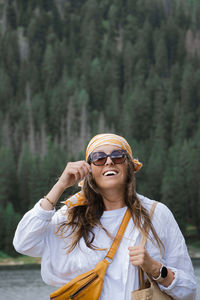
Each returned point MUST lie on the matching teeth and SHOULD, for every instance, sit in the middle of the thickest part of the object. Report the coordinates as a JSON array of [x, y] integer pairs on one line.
[[110, 173]]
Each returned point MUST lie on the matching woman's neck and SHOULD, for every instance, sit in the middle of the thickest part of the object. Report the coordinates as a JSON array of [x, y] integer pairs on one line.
[[113, 200]]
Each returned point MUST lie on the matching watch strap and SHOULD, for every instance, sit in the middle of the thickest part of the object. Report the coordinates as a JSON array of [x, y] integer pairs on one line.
[[159, 276]]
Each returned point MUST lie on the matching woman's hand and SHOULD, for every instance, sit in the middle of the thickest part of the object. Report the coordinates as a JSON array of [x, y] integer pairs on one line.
[[73, 172], [140, 257]]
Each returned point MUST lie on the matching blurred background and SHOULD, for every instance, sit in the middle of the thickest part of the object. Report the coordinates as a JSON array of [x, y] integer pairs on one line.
[[70, 69]]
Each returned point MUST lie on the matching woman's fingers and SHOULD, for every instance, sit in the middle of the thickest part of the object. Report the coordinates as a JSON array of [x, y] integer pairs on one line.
[[137, 255], [140, 257], [74, 172], [79, 169]]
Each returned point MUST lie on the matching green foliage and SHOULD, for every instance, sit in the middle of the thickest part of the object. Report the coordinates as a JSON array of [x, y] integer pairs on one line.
[[11, 220], [24, 171], [70, 69], [6, 90], [11, 15], [8, 178], [174, 183]]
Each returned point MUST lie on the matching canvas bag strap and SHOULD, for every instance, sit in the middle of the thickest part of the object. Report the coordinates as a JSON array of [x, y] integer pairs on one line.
[[119, 235], [144, 239]]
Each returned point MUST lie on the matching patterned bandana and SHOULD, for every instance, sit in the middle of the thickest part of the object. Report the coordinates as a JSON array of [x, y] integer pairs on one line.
[[99, 140]]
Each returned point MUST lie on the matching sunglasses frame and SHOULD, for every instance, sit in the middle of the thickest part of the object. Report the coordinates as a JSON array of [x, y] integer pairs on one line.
[[122, 151]]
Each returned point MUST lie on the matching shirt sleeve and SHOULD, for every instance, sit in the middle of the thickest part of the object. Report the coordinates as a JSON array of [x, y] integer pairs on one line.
[[29, 238], [176, 258]]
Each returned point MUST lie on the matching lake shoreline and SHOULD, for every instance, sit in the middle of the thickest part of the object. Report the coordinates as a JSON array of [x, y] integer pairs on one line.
[[25, 262], [35, 266]]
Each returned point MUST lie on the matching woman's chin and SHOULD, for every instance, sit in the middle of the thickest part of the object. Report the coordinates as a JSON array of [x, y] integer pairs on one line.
[[111, 184]]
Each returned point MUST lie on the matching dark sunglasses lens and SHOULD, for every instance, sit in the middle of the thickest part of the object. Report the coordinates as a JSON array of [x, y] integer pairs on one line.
[[98, 158], [118, 157]]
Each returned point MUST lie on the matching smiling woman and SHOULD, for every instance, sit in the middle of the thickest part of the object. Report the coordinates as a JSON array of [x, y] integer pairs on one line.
[[109, 173], [74, 239]]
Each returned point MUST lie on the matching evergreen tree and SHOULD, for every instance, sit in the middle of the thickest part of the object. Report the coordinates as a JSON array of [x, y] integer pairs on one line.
[[47, 5], [193, 178], [128, 64], [174, 183], [188, 102], [51, 167], [96, 84], [11, 15], [35, 181], [24, 171], [6, 90], [49, 67], [11, 221], [11, 57], [113, 107], [2, 227], [8, 179], [161, 57]]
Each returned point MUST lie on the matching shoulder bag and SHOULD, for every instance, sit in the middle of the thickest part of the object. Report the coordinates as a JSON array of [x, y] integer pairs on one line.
[[88, 286], [148, 290]]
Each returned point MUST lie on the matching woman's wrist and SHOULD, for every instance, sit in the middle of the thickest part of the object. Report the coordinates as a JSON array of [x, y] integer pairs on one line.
[[50, 200], [60, 186], [155, 269], [156, 273], [167, 280]]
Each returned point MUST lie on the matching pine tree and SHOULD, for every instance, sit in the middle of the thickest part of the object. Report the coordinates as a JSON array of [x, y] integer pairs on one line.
[[23, 172], [8, 178], [11, 15], [128, 63], [113, 107], [2, 227], [49, 67], [96, 84], [188, 100], [11, 57], [51, 167], [174, 183], [11, 219], [6, 90], [193, 178], [161, 57]]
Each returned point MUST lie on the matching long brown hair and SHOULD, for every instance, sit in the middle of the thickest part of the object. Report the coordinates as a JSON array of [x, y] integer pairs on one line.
[[82, 219]]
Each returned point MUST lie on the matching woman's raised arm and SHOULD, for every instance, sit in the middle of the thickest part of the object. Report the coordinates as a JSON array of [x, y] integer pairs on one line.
[[73, 172]]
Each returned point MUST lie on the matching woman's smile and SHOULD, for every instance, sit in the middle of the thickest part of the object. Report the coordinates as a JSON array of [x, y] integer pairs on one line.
[[109, 175]]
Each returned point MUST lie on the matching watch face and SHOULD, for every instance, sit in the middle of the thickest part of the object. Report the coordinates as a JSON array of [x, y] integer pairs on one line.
[[164, 272]]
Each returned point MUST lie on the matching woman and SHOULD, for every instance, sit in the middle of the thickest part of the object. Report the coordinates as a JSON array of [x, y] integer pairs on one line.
[[74, 239]]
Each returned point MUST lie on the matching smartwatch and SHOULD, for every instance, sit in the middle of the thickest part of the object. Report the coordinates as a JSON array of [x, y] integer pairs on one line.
[[163, 273]]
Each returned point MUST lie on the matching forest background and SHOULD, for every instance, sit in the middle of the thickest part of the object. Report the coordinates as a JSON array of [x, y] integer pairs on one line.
[[72, 69]]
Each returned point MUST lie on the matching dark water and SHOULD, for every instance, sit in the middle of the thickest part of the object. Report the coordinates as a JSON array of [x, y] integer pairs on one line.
[[23, 285], [197, 273], [28, 285]]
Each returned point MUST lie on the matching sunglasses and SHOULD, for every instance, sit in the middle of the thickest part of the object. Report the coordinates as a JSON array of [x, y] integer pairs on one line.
[[100, 158]]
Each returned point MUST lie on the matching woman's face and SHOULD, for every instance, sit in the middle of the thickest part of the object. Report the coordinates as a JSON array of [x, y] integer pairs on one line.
[[110, 175]]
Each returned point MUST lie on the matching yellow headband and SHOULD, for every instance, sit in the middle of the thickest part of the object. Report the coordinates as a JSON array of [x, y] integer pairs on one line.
[[96, 141], [107, 139], [111, 139]]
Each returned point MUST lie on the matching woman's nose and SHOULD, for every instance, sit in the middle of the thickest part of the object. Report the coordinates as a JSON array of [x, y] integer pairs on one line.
[[109, 161]]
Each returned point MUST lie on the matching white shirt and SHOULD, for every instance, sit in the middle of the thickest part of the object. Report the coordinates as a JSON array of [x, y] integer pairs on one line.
[[35, 236]]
